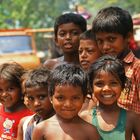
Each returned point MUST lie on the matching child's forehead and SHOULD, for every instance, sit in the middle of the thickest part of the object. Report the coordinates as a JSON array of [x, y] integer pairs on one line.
[[107, 33], [70, 25], [7, 81], [88, 44], [87, 41], [68, 88], [36, 90], [101, 73]]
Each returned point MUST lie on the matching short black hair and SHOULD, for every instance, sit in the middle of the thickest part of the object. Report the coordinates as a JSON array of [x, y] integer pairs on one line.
[[12, 72], [109, 64], [68, 74], [113, 20], [75, 18], [36, 78], [88, 35]]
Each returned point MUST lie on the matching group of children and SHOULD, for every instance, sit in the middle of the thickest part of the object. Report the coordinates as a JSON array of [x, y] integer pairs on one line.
[[91, 92]]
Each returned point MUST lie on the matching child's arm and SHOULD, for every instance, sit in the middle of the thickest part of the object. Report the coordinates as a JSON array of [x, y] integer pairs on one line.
[[94, 135], [133, 125], [137, 127]]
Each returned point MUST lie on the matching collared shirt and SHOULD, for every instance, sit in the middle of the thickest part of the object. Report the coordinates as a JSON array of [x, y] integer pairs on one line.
[[131, 101]]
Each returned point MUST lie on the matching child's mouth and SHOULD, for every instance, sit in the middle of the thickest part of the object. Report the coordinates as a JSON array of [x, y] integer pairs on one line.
[[68, 45]]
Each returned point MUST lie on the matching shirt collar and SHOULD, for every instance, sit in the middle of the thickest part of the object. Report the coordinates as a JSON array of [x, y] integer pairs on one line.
[[129, 58]]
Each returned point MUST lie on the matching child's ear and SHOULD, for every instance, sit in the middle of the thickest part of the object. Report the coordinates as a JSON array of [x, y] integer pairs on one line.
[[129, 36], [50, 99], [56, 40]]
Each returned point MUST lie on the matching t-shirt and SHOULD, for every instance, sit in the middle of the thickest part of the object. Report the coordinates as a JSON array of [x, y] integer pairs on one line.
[[118, 133], [9, 122]]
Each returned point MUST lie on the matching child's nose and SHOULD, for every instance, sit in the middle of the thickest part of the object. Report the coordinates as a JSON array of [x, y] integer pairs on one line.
[[106, 46], [36, 102], [83, 54], [106, 88], [67, 103], [68, 36]]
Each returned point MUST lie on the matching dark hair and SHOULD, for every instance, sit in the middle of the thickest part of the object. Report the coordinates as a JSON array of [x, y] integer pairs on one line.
[[68, 74], [87, 35], [77, 19], [35, 78], [109, 64], [12, 72], [113, 20]]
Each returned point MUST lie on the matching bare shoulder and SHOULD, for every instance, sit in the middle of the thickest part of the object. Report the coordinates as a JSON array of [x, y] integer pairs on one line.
[[133, 124], [44, 129], [45, 125], [132, 120], [39, 131], [91, 131], [132, 116], [51, 63]]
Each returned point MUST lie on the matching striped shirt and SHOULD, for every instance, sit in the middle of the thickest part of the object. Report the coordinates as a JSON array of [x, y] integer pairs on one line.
[[131, 101]]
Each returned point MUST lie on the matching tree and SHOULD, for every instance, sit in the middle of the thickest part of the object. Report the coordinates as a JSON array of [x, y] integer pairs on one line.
[[31, 13]]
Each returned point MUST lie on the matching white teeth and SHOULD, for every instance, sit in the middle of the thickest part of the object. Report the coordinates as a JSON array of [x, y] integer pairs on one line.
[[84, 63], [108, 96]]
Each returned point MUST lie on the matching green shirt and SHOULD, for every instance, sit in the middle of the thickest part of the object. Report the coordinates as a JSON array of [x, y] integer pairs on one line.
[[118, 133]]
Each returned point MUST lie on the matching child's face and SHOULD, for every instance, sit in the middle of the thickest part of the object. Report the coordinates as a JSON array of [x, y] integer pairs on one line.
[[68, 37], [67, 101], [88, 53], [106, 88], [38, 101], [10, 95], [111, 43]]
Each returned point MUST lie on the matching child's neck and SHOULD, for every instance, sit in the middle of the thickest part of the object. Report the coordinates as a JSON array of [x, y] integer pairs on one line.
[[17, 107], [48, 115], [123, 54], [63, 120], [71, 58], [108, 108]]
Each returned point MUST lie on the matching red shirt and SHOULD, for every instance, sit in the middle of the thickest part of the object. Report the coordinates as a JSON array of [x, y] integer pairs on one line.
[[9, 122], [131, 101]]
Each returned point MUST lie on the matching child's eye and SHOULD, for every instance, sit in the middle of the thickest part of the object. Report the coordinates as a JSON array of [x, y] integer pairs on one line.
[[41, 97], [10, 89], [112, 39], [60, 98], [30, 98], [61, 34], [75, 32], [76, 98], [90, 51], [114, 83], [80, 51], [99, 84]]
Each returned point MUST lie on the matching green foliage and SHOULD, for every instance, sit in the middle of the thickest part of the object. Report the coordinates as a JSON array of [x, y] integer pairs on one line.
[[30, 13], [42, 13], [133, 6]]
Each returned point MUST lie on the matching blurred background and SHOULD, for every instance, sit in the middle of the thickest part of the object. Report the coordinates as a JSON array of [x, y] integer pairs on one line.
[[39, 15]]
